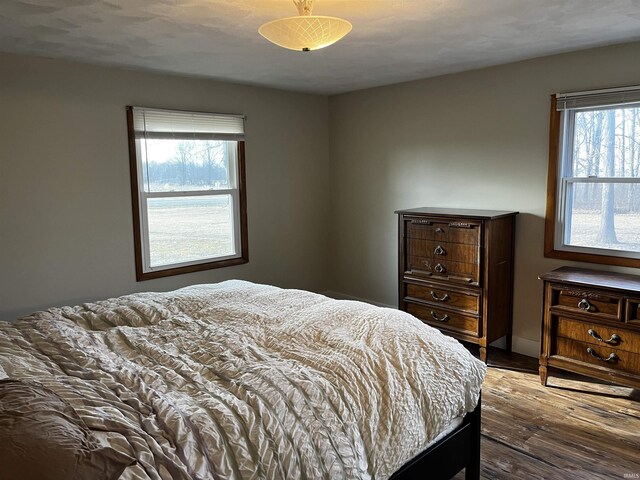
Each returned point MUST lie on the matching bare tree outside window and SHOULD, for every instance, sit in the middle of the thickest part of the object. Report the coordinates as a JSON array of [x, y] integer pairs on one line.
[[607, 232]]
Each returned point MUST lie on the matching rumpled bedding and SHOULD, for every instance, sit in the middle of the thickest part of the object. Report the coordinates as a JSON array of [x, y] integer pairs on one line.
[[237, 380]]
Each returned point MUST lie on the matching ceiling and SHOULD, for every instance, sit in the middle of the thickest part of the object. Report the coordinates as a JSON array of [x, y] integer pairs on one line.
[[392, 40]]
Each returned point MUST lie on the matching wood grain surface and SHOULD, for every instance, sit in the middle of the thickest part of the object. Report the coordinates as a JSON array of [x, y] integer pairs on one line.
[[466, 258], [574, 428]]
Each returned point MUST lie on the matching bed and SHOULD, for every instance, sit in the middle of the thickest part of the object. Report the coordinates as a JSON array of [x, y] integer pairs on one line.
[[241, 380]]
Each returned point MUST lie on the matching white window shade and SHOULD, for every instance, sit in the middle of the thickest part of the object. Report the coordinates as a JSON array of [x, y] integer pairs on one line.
[[179, 125], [598, 98]]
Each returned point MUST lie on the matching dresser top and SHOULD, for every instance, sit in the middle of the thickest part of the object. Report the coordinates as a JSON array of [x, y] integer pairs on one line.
[[457, 212], [593, 278]]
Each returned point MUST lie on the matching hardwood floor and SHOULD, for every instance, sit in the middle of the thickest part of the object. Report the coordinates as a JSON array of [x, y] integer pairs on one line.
[[574, 428]]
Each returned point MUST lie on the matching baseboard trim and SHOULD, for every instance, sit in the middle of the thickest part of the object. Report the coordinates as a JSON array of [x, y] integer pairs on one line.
[[523, 346]]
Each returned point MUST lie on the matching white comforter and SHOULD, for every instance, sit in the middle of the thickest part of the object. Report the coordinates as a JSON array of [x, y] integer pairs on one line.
[[238, 380]]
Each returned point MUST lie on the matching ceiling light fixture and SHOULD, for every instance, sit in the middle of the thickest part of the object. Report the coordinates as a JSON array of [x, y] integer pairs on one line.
[[305, 32]]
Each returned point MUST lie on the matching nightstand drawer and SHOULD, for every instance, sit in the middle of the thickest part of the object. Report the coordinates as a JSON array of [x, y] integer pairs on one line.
[[437, 295], [633, 312], [605, 357], [598, 335], [592, 303], [445, 319]]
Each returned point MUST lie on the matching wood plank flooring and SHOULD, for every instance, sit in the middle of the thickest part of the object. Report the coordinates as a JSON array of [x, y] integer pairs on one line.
[[573, 428]]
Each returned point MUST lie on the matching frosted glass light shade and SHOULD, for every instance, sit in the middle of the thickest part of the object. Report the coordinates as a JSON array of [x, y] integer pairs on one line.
[[305, 33]]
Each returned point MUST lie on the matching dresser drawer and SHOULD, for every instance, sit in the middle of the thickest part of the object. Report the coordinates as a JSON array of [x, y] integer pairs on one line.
[[457, 252], [460, 232], [444, 319], [458, 272], [441, 231], [598, 335], [594, 303], [437, 295], [606, 357]]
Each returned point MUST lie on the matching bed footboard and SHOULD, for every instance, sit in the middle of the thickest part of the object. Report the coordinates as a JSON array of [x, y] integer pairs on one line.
[[444, 459]]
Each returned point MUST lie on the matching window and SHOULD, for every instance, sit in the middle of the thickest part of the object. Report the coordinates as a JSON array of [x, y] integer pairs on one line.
[[593, 197], [188, 191]]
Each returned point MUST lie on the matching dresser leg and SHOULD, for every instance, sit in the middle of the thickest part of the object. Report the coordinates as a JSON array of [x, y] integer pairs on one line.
[[543, 375], [483, 354], [509, 342]]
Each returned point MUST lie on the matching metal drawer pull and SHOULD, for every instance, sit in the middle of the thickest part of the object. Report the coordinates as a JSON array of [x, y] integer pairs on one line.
[[439, 250], [584, 304], [610, 359], [614, 340], [439, 230], [443, 319], [444, 298], [440, 269]]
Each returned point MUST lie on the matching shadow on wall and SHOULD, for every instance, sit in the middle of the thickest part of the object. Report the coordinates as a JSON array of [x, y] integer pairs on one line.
[[529, 264]]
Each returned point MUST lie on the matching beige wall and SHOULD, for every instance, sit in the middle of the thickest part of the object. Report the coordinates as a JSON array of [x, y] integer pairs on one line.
[[65, 204], [475, 140]]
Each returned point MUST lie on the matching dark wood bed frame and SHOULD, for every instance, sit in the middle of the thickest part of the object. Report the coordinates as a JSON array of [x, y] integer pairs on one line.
[[445, 458]]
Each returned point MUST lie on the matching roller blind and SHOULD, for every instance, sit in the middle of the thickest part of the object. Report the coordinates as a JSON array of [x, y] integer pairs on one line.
[[598, 98], [180, 125]]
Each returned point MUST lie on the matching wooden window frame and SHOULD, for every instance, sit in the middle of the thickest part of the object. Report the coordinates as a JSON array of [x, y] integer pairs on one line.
[[141, 275], [555, 132]]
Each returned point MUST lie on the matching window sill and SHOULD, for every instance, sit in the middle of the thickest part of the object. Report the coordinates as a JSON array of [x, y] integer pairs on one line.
[[141, 276]]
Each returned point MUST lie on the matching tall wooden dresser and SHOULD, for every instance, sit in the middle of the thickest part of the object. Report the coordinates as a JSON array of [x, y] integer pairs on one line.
[[456, 271], [591, 324]]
